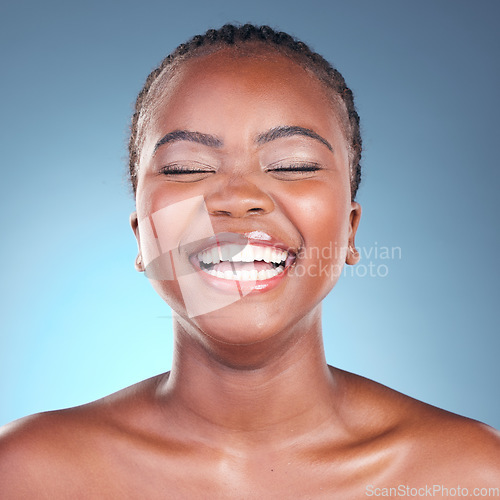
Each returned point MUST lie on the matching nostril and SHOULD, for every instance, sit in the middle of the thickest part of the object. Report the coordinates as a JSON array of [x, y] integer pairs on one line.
[[255, 210], [221, 212]]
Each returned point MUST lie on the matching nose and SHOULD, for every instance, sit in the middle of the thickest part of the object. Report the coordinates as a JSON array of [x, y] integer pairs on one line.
[[238, 197]]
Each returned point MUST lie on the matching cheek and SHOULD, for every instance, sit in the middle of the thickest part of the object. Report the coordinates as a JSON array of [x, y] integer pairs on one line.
[[321, 213], [168, 228], [153, 194], [322, 217]]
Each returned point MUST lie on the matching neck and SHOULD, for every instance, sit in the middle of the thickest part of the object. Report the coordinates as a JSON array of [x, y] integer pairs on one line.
[[269, 390]]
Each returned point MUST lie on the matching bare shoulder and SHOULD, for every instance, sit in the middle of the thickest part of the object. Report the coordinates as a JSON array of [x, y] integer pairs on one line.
[[429, 444], [53, 453]]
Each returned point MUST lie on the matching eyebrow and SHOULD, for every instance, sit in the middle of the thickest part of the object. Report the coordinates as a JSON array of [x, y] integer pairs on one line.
[[214, 142], [288, 131], [187, 135]]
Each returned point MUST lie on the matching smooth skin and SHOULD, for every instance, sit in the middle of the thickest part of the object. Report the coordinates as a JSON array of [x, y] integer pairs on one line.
[[250, 408]]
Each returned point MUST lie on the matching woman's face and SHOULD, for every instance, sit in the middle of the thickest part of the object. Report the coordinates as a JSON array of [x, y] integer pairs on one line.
[[244, 213]]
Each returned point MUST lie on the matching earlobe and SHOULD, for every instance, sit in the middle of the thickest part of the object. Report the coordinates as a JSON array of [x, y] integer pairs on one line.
[[352, 256], [138, 263], [134, 224]]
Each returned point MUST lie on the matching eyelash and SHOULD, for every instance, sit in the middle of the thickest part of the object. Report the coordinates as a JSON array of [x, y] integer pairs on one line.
[[296, 167], [177, 169], [285, 172], [293, 171]]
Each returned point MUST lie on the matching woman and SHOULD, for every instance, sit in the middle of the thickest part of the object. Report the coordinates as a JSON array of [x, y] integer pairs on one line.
[[244, 159]]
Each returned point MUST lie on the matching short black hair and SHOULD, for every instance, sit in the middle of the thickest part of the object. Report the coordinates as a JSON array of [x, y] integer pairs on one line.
[[237, 37]]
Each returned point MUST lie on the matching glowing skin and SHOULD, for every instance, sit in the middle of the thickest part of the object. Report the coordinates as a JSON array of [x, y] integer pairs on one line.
[[236, 102], [250, 408]]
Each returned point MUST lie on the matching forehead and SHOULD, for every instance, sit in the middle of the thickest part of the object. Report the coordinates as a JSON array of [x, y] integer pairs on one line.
[[248, 92]]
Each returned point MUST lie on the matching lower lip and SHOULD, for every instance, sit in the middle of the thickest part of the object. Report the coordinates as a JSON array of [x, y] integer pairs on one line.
[[245, 287]]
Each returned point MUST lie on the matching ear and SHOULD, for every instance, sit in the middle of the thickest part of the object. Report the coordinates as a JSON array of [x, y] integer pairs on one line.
[[134, 224], [352, 256]]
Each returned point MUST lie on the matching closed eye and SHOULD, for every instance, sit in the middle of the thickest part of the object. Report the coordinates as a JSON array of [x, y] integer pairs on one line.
[[293, 171], [186, 172]]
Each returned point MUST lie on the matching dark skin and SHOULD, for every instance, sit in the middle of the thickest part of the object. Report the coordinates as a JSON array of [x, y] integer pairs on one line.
[[250, 408]]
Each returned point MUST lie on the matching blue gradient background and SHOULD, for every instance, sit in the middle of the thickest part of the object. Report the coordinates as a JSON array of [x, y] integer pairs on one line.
[[77, 322]]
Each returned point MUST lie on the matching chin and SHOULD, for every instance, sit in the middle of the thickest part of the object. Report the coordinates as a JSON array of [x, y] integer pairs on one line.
[[238, 324]]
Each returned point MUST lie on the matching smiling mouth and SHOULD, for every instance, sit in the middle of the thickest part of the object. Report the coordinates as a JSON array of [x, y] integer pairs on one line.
[[244, 263]]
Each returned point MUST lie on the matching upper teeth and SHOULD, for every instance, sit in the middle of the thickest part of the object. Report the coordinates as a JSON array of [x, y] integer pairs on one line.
[[235, 253]]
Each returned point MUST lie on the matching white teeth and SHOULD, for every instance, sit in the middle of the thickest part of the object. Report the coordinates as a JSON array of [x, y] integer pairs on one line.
[[247, 255], [225, 254], [232, 251], [228, 275], [258, 253], [267, 254], [214, 253], [235, 253], [245, 275]]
